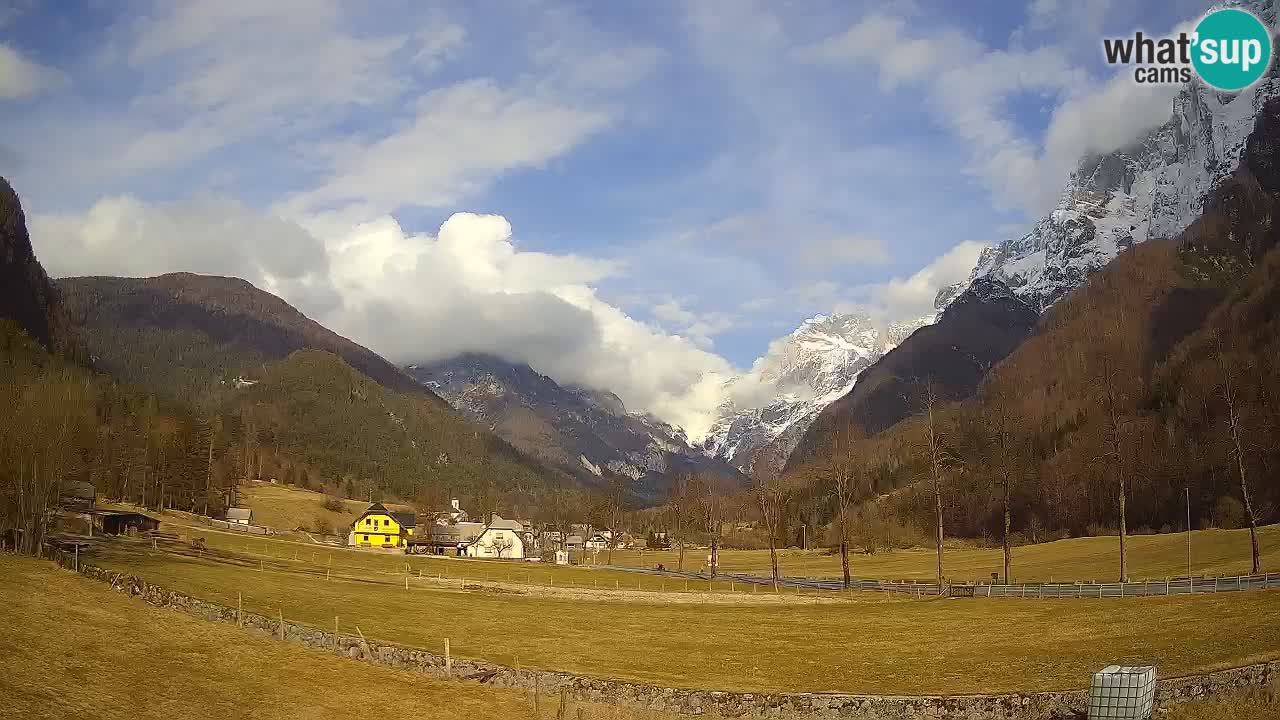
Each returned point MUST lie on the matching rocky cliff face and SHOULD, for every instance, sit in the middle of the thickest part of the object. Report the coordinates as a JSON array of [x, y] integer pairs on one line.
[[1153, 188], [978, 329], [27, 296], [800, 375]]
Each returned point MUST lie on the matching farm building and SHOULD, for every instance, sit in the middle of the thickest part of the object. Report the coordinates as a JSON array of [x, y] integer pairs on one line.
[[121, 522], [378, 527], [78, 495], [240, 516]]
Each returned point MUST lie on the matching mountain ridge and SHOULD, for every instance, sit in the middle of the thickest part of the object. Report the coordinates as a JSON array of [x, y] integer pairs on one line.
[[584, 431]]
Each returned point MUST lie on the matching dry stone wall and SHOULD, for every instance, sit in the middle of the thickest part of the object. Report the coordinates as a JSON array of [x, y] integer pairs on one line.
[[1014, 706]]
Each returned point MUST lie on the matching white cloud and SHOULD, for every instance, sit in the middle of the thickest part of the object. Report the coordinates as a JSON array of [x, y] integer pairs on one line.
[[216, 236], [698, 327], [20, 78], [231, 71], [913, 296], [410, 297], [844, 250], [462, 138], [469, 289], [968, 86]]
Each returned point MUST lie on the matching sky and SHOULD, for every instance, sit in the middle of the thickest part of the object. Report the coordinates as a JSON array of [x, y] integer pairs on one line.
[[637, 196]]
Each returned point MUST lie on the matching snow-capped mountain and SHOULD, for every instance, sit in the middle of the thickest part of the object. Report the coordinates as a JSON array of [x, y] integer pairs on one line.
[[799, 376], [587, 432], [1153, 188]]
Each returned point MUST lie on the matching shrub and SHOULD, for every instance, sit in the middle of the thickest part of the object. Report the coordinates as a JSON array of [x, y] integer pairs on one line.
[[1229, 514], [333, 504]]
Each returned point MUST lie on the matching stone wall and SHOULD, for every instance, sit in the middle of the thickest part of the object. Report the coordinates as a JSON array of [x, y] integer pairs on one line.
[[1016, 706]]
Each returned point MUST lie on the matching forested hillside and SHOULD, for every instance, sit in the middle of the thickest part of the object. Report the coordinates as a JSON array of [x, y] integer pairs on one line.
[[314, 420], [191, 384], [976, 331], [27, 296], [1155, 379], [190, 336]]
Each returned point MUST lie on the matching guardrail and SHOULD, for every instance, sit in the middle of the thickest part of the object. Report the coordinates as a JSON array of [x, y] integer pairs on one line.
[[1082, 590]]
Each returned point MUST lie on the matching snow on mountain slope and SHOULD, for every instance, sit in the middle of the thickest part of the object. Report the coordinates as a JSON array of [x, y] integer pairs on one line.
[[800, 375], [1153, 188], [588, 432]]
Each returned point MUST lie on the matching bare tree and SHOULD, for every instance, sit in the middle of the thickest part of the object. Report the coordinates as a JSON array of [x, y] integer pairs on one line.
[[1229, 390], [613, 507], [771, 493], [500, 545], [844, 481], [1008, 446], [680, 501], [936, 456], [711, 507], [1112, 380]]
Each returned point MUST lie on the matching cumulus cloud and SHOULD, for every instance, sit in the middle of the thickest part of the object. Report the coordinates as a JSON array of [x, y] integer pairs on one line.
[[20, 77], [216, 236], [412, 297], [913, 296], [418, 298]]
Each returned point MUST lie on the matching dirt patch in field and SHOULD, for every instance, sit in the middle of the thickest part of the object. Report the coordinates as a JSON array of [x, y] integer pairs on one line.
[[763, 597]]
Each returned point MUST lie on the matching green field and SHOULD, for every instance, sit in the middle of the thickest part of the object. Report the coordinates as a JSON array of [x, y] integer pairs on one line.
[[906, 646], [1213, 552], [74, 649]]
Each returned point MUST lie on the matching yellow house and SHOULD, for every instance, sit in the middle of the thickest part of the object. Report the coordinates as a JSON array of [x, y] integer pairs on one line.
[[379, 527]]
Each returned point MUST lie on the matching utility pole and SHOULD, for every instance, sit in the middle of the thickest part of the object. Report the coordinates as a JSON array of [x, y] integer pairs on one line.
[[804, 536], [1188, 491]]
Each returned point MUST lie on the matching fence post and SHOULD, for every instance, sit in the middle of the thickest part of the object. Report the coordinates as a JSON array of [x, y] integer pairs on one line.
[[448, 660], [282, 623], [239, 610], [335, 633]]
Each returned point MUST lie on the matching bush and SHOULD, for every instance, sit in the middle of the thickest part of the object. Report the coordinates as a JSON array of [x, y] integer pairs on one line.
[[321, 525], [1229, 514], [333, 504]]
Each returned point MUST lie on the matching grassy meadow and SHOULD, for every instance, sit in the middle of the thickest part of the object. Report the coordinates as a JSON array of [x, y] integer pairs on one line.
[[287, 508], [1213, 552], [868, 645], [74, 648]]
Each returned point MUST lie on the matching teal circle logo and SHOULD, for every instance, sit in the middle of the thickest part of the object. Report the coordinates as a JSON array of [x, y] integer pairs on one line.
[[1232, 49]]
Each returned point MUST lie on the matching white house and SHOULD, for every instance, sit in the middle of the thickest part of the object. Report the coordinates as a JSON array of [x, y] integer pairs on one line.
[[498, 539], [599, 541]]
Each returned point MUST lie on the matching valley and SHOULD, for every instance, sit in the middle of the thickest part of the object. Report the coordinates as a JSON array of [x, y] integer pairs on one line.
[[576, 361]]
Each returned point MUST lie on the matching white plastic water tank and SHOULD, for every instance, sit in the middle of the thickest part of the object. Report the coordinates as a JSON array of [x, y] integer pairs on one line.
[[1122, 693]]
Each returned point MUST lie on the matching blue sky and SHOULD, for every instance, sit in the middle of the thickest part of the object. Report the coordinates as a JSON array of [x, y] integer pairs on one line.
[[681, 182]]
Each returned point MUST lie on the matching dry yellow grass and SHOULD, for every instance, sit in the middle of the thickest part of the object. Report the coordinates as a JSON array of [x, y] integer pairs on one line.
[[1213, 552], [74, 649], [287, 508], [910, 647], [1259, 704]]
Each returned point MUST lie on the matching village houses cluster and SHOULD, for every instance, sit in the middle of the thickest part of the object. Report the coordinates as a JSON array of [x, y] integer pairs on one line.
[[452, 531]]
